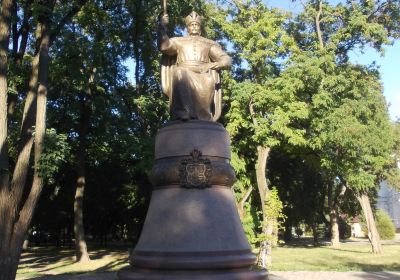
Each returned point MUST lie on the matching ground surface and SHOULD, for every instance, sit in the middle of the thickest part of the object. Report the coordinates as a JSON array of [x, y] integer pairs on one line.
[[349, 257], [274, 275], [42, 262], [352, 261]]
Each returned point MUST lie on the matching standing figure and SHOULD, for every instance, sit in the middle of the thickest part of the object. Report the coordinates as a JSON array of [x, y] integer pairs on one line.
[[190, 72]]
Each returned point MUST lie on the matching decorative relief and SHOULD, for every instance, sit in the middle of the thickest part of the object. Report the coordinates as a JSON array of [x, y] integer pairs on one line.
[[195, 173]]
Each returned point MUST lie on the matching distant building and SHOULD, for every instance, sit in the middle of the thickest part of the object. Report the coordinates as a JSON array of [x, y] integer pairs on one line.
[[389, 200], [356, 228]]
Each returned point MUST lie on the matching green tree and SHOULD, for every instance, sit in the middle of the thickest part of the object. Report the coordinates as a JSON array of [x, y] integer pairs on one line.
[[17, 209], [301, 187], [84, 78], [348, 115], [263, 107]]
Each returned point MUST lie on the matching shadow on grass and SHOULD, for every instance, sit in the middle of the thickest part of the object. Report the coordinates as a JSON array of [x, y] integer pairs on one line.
[[381, 276], [345, 250], [39, 261], [303, 242], [76, 276], [112, 265], [101, 273], [375, 268], [40, 256]]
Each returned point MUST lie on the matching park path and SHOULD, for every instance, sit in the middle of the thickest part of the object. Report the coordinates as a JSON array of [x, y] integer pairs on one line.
[[315, 275], [274, 275]]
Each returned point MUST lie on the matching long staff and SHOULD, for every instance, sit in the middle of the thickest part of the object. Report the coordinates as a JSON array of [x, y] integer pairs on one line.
[[165, 6]]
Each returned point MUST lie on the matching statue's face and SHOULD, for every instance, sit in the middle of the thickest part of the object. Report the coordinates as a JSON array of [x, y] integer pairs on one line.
[[194, 28]]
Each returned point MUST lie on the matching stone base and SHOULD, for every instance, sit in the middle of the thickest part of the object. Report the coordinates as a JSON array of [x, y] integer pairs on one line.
[[192, 229], [239, 274]]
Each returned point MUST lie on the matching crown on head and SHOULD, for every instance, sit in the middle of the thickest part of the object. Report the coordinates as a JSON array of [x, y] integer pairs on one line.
[[193, 17]]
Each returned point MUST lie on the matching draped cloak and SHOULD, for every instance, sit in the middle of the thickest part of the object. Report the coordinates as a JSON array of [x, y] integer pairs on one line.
[[193, 94]]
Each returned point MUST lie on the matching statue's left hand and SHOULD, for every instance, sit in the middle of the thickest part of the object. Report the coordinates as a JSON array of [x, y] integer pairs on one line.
[[214, 66], [210, 66]]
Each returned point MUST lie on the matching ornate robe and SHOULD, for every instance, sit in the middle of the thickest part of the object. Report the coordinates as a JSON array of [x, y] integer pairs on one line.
[[193, 93]]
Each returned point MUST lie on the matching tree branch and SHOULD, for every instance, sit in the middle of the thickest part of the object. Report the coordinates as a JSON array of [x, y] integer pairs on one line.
[[24, 30], [340, 194], [68, 16], [253, 113], [245, 197], [15, 28], [318, 25]]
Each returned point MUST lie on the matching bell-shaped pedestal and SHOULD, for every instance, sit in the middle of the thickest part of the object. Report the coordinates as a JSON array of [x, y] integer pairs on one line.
[[192, 229]]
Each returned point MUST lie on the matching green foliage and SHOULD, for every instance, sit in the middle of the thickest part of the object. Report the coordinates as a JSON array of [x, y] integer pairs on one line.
[[251, 225], [297, 93], [274, 206], [348, 128], [273, 215], [385, 225], [56, 151], [322, 116], [263, 109]]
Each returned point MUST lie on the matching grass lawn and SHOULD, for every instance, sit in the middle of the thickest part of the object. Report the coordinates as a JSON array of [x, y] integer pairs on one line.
[[53, 261], [349, 257]]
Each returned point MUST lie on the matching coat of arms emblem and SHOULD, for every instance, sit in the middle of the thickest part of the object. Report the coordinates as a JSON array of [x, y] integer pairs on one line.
[[195, 173]]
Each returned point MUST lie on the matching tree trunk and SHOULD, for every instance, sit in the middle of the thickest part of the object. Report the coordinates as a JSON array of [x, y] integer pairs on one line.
[[315, 234], [85, 113], [10, 227], [334, 198], [264, 257], [80, 243], [373, 234], [241, 203], [333, 217], [335, 238], [8, 262], [288, 232], [5, 21], [19, 215]]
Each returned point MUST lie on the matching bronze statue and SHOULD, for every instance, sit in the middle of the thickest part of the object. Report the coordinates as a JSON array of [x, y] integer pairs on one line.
[[190, 72], [192, 228]]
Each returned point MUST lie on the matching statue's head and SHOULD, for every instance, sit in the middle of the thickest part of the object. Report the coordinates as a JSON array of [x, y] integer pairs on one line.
[[193, 23]]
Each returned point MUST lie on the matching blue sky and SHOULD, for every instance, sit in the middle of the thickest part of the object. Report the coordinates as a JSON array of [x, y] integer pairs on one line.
[[389, 64]]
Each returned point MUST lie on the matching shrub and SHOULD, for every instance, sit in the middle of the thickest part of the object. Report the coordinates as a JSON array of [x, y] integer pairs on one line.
[[385, 225]]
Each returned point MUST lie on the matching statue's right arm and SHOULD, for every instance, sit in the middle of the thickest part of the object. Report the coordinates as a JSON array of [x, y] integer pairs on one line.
[[165, 44]]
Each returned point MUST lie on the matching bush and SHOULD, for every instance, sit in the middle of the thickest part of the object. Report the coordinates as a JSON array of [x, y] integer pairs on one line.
[[385, 225]]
